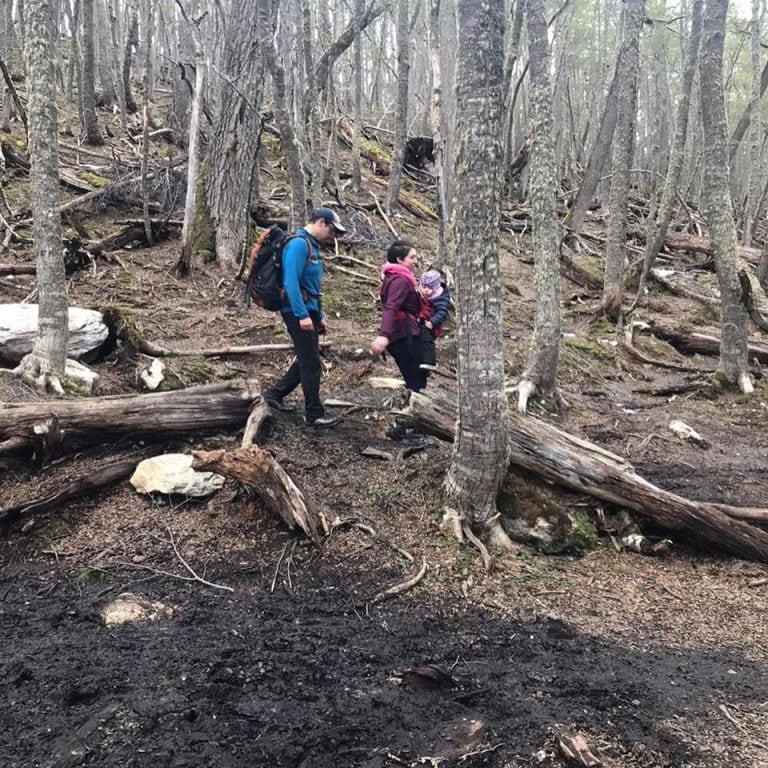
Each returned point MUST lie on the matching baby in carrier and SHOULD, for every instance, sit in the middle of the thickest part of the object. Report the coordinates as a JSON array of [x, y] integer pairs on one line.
[[436, 303]]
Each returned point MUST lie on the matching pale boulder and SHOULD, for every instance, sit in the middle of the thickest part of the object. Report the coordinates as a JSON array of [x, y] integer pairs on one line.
[[172, 473]]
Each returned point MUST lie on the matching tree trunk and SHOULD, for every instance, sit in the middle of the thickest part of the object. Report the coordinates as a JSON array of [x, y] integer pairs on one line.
[[6, 26], [623, 152], [754, 175], [478, 459], [132, 41], [655, 239], [357, 99], [401, 106], [145, 193], [436, 120], [92, 132], [114, 35], [182, 412], [45, 365], [104, 56], [233, 144], [536, 447], [717, 199], [541, 370]]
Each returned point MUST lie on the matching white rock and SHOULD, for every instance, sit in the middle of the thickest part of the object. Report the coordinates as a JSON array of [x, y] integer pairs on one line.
[[682, 430], [173, 473], [129, 607], [18, 329], [153, 374], [81, 375]]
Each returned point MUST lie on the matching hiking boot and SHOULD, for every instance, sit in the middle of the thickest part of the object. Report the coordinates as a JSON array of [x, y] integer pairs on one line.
[[278, 404], [323, 421], [415, 440]]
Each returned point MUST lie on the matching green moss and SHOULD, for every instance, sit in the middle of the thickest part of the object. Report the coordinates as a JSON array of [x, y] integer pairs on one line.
[[71, 388], [583, 345], [165, 151], [584, 532], [601, 328], [94, 179], [375, 152], [656, 347], [17, 142]]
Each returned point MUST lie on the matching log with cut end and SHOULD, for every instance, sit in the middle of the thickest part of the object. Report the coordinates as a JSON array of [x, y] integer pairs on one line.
[[566, 460], [182, 412], [261, 471]]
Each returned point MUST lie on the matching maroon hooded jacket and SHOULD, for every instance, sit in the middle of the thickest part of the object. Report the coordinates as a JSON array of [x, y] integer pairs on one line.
[[400, 306]]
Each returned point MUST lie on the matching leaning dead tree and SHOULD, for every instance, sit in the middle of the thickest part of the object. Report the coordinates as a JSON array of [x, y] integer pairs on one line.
[[555, 456]]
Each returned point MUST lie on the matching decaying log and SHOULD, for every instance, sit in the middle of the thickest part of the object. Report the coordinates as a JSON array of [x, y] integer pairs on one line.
[[681, 241], [260, 471], [18, 269], [108, 475], [259, 412], [691, 342], [747, 296], [569, 461], [185, 411]]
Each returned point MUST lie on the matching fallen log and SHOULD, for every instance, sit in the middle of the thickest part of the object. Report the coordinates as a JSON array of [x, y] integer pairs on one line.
[[692, 342], [681, 241], [18, 269], [261, 471], [108, 475], [566, 460], [196, 409]]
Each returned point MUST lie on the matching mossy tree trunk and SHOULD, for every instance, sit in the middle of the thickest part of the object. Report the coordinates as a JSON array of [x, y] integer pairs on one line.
[[45, 364], [717, 199], [541, 370], [623, 152], [478, 459]]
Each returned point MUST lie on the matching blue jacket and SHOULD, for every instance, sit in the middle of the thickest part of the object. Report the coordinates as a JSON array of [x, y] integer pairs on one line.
[[302, 275], [440, 307]]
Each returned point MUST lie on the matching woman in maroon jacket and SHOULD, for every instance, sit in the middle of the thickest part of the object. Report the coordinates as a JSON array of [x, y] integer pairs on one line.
[[400, 305]]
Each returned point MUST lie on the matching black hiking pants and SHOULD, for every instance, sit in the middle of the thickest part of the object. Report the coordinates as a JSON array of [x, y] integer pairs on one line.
[[407, 354], [305, 369]]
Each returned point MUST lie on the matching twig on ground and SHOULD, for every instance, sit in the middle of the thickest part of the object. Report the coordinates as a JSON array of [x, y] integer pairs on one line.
[[398, 589], [384, 215], [279, 563], [194, 575]]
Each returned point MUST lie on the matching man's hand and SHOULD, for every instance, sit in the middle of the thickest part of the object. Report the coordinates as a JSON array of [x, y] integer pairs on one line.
[[306, 324], [379, 344], [322, 327]]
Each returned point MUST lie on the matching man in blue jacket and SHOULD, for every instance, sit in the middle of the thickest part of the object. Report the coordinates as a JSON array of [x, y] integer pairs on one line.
[[303, 315]]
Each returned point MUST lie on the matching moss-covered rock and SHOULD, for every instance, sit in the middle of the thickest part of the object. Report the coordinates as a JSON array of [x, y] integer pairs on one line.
[[531, 514], [96, 181]]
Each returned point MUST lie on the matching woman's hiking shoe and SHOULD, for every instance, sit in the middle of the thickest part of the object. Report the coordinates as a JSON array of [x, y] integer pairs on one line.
[[406, 435], [323, 421]]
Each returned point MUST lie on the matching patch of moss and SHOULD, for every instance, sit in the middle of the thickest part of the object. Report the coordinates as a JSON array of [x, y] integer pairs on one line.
[[376, 153], [94, 179], [71, 388], [17, 142], [583, 345], [656, 347], [165, 151], [601, 328]]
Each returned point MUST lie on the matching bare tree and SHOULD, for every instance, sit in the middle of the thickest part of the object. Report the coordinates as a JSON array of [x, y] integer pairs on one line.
[[541, 371], [478, 460], [131, 43], [92, 132], [436, 119], [656, 236], [717, 199], [45, 364], [754, 171], [401, 106], [623, 152]]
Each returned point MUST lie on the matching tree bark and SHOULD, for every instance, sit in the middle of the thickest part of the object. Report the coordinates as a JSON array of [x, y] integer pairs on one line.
[[717, 199], [104, 56], [754, 174], [401, 106], [145, 193], [182, 412], [45, 365], [477, 461], [233, 144], [536, 447], [436, 120], [541, 369], [259, 470], [132, 41], [92, 132], [623, 152]]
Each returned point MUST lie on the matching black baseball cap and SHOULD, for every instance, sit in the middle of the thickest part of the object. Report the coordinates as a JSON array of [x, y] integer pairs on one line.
[[329, 217]]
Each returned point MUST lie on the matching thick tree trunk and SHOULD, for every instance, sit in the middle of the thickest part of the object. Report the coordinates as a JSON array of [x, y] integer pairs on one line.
[[558, 457], [401, 105], [357, 100], [677, 156], [92, 132], [234, 141], [541, 370], [436, 121], [145, 117], [717, 199], [754, 174], [623, 152], [478, 459], [45, 365], [182, 412], [114, 35], [104, 56]]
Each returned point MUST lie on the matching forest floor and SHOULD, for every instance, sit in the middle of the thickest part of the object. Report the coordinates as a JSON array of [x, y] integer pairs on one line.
[[653, 661]]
